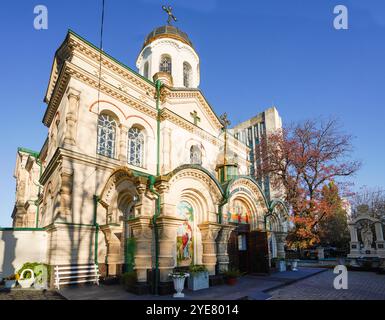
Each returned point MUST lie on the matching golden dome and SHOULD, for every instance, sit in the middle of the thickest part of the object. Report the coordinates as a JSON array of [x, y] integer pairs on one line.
[[167, 32]]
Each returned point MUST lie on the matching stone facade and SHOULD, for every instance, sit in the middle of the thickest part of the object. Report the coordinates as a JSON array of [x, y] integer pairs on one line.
[[91, 197]]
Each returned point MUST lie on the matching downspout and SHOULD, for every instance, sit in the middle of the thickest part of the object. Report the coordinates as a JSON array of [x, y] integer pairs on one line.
[[38, 194], [158, 86], [96, 225], [152, 179], [221, 205]]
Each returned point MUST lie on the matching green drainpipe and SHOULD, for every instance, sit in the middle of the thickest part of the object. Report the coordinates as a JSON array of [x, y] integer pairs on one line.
[[96, 225], [38, 194], [224, 201], [152, 179], [158, 86]]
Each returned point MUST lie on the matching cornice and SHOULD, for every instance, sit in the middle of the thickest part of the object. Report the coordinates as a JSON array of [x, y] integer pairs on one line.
[[101, 162], [75, 44], [167, 114], [70, 70], [196, 94]]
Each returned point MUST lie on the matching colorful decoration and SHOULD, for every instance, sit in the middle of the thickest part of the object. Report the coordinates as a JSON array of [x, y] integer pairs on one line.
[[239, 213], [185, 241]]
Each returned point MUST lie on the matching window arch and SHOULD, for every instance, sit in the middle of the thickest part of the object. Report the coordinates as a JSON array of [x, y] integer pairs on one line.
[[106, 135], [136, 147], [195, 155], [146, 70], [187, 72], [165, 64]]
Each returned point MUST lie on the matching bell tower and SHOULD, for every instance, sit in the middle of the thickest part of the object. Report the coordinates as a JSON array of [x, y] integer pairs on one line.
[[169, 50]]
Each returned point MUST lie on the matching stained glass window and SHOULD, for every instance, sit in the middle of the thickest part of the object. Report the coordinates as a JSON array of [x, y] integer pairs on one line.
[[106, 136], [165, 64], [135, 147]]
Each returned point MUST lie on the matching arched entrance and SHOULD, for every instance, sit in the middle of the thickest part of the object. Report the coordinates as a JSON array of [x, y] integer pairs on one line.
[[248, 245], [247, 206], [118, 198]]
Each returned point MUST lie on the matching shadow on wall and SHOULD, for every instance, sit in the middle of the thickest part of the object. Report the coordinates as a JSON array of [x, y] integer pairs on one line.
[[7, 253]]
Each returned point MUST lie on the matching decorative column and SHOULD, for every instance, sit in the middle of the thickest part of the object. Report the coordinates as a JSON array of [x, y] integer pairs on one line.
[[281, 240], [209, 232], [167, 228], [65, 193], [166, 150], [380, 243], [142, 233], [72, 115], [222, 242], [123, 143], [114, 255], [354, 243]]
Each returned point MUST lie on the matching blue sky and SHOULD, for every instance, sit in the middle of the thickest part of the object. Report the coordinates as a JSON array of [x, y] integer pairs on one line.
[[253, 54]]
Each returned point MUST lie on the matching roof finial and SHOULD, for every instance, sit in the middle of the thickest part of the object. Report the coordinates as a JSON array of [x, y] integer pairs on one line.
[[171, 16]]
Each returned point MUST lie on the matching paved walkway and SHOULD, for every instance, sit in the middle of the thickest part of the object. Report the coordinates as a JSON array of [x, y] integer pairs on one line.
[[30, 294], [361, 286], [248, 287]]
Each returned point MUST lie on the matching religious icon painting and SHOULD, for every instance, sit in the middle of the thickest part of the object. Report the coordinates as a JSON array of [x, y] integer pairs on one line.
[[185, 238], [239, 213]]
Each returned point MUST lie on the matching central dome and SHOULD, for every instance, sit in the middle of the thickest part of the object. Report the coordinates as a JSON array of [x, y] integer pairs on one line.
[[167, 32]]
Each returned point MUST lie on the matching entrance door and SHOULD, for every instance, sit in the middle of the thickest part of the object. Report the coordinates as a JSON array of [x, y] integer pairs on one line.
[[258, 252], [248, 251], [232, 250], [238, 248]]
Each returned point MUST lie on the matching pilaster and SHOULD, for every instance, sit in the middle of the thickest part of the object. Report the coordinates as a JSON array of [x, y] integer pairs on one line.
[[222, 243], [142, 233], [209, 232], [71, 117]]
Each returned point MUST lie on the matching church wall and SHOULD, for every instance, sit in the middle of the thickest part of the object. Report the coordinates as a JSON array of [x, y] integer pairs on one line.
[[184, 108], [73, 245], [126, 118], [180, 143]]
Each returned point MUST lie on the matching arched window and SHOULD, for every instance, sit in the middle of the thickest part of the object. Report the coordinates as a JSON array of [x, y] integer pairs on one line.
[[145, 71], [106, 136], [165, 64], [187, 74], [195, 155], [135, 147]]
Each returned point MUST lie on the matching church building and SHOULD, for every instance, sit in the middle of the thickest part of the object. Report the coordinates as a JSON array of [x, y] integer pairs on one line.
[[138, 171]]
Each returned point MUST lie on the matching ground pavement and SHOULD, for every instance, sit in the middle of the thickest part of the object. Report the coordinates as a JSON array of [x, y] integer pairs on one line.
[[248, 287], [361, 286], [306, 284]]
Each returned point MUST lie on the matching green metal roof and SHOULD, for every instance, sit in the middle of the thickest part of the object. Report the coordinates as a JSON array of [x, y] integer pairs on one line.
[[110, 57], [34, 154]]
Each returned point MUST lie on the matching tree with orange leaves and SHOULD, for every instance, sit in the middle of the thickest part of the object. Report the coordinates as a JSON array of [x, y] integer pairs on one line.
[[300, 160]]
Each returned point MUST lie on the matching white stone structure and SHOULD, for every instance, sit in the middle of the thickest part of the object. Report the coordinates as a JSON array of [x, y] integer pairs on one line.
[[367, 235], [120, 147]]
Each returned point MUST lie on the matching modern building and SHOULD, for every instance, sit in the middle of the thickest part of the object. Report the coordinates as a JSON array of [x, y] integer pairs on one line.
[[251, 132]]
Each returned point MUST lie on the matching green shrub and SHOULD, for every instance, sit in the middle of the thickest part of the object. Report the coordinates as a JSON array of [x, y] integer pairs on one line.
[[32, 266], [197, 268]]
